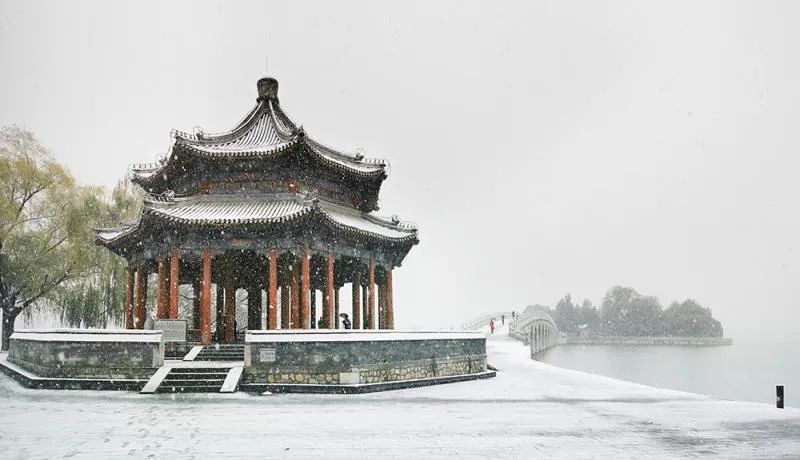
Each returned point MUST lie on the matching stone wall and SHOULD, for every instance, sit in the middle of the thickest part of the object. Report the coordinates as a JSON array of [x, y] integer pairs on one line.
[[80, 353], [360, 357]]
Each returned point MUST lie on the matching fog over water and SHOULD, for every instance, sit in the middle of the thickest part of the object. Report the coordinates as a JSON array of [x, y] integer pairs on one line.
[[542, 148]]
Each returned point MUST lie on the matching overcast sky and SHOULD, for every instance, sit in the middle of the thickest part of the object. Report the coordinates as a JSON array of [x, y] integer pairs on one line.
[[542, 148]]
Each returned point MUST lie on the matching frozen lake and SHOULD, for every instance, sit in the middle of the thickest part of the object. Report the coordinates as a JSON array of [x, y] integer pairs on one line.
[[530, 410], [748, 370]]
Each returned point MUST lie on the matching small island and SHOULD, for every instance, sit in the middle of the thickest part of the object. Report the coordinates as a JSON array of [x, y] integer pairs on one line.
[[627, 317]]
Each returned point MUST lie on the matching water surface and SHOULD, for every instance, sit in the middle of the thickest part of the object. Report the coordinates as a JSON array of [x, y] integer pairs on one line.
[[748, 370]]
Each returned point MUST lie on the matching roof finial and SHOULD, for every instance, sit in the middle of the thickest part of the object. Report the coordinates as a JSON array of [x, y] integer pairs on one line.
[[267, 88]]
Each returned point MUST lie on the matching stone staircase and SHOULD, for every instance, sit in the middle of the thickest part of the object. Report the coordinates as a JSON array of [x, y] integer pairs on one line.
[[194, 380], [221, 352]]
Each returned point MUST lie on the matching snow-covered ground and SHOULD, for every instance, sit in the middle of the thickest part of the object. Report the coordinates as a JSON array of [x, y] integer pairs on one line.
[[530, 410]]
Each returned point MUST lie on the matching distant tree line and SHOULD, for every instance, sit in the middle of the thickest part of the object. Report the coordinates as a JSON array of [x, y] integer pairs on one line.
[[625, 312]]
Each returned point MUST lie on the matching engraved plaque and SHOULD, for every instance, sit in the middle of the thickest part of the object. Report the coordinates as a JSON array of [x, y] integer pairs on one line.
[[267, 355]]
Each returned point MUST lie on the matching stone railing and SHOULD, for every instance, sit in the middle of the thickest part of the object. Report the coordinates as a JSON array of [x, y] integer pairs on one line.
[[87, 353]]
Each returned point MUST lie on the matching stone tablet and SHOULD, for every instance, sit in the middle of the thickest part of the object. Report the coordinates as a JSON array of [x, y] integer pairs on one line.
[[172, 330], [267, 355]]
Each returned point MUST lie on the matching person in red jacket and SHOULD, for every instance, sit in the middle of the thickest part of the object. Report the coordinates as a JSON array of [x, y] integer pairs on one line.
[[491, 325]]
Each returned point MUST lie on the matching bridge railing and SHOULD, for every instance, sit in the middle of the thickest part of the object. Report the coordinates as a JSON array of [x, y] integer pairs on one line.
[[518, 329], [480, 321]]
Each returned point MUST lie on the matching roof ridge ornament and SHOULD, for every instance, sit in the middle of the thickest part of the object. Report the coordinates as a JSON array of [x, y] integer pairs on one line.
[[267, 88], [360, 153]]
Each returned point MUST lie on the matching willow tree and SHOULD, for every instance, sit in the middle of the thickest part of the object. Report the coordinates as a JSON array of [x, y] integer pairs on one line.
[[45, 226], [96, 298]]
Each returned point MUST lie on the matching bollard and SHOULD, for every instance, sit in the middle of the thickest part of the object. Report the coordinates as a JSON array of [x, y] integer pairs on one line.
[[779, 396]]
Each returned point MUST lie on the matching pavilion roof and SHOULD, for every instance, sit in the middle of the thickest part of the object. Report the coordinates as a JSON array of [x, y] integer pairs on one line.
[[264, 132], [231, 210]]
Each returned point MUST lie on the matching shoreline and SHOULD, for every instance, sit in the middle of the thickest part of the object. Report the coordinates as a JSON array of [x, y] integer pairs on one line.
[[649, 341]]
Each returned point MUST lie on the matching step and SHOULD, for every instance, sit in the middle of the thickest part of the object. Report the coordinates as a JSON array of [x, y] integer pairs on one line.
[[192, 382], [220, 358], [218, 354], [199, 370], [197, 376], [189, 389]]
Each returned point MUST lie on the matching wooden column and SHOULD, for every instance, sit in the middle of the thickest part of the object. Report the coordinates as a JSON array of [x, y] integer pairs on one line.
[[162, 309], [336, 308], [205, 300], [295, 317], [141, 296], [381, 306], [329, 293], [174, 282], [129, 298], [286, 307], [356, 301], [389, 300], [324, 316], [313, 297], [305, 281], [272, 297], [371, 294], [364, 306], [196, 303]]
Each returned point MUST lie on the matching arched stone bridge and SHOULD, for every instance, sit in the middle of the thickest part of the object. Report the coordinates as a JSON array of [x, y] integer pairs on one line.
[[536, 328]]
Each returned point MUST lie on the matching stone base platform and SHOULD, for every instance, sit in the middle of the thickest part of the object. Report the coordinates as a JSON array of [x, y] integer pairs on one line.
[[322, 362], [30, 380], [359, 388], [360, 358]]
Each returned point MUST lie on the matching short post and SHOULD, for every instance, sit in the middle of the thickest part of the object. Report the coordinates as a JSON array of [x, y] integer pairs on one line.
[[779, 396]]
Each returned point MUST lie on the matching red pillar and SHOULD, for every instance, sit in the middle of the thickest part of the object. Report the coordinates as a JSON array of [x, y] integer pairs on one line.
[[389, 300], [174, 282], [141, 293], [305, 270], [381, 306], [357, 301], [286, 307], [371, 294], [329, 294], [272, 296], [336, 308], [205, 300], [295, 318], [129, 298]]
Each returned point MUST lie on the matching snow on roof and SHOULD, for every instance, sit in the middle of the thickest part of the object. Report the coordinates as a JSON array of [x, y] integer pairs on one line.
[[265, 130], [217, 209], [365, 222], [234, 209]]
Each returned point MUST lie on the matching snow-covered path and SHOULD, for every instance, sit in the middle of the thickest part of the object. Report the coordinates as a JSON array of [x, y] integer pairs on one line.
[[530, 410]]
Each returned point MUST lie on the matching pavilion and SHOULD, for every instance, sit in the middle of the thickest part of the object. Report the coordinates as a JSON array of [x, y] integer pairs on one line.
[[264, 208]]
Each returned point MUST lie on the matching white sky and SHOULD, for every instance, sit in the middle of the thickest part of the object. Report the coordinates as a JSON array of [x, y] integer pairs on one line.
[[543, 148]]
